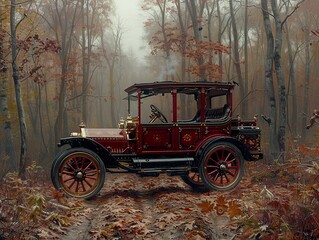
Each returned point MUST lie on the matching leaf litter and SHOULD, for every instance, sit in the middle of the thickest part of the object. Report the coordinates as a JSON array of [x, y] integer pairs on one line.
[[130, 207]]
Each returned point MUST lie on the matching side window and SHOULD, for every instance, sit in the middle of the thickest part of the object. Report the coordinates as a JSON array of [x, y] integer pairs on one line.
[[186, 107], [162, 103], [218, 102], [217, 108]]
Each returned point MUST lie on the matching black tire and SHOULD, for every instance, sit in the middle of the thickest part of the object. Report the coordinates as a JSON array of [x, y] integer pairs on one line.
[[79, 172], [195, 182], [222, 166]]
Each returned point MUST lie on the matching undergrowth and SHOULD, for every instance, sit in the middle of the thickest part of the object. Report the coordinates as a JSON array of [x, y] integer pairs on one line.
[[26, 207]]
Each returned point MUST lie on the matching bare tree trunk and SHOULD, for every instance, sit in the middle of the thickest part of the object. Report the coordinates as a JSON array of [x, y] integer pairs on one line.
[[183, 31], [197, 32], [237, 57], [169, 74], [183, 39], [210, 10], [85, 63], [87, 32], [111, 61], [66, 29], [281, 83], [8, 146], [269, 83], [59, 127], [220, 32], [17, 86], [306, 83], [50, 132], [291, 84], [245, 102]]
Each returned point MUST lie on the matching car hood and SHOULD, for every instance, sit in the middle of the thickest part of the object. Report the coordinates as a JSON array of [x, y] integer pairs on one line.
[[105, 133]]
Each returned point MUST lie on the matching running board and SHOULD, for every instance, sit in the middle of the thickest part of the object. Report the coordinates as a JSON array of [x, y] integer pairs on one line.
[[154, 172], [162, 160]]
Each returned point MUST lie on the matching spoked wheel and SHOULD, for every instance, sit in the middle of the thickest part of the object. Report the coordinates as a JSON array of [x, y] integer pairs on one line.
[[79, 172], [194, 180], [221, 166]]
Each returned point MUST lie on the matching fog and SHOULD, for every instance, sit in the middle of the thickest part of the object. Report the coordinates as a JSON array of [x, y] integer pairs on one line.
[[131, 18]]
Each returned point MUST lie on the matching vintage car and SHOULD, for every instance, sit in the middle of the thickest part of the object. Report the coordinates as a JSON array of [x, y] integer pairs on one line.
[[183, 129]]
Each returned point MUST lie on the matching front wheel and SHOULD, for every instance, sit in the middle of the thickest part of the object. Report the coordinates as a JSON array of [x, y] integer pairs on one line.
[[221, 166], [79, 172]]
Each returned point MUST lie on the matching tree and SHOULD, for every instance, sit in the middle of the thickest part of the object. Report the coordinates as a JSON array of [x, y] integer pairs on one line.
[[237, 56], [63, 23], [307, 63], [196, 19], [291, 80], [183, 35], [111, 54], [4, 108], [274, 49], [94, 17], [282, 98], [269, 81], [18, 94]]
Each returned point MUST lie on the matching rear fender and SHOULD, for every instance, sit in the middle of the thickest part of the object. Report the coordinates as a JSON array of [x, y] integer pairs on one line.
[[244, 150], [94, 146]]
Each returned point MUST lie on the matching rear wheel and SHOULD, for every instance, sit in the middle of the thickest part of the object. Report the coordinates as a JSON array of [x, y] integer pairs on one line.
[[79, 172], [194, 180], [221, 166]]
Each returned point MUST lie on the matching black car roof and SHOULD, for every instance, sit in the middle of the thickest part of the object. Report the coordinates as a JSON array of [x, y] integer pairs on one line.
[[185, 87]]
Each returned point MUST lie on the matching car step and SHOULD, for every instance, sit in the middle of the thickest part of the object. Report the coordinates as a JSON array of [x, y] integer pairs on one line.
[[151, 172]]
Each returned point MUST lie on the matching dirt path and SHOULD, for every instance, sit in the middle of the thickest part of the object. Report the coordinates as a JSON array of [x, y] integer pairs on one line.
[[130, 207]]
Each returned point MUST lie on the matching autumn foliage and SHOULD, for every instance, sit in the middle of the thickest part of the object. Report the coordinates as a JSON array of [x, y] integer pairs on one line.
[[171, 36]]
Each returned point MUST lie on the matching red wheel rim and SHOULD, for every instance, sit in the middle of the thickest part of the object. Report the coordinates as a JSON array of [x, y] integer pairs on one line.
[[222, 166], [79, 174], [195, 178]]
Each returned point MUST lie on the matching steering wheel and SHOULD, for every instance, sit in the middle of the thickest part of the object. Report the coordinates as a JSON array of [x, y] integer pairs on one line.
[[157, 114]]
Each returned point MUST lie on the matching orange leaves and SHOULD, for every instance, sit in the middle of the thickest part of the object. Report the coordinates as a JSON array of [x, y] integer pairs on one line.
[[234, 209], [221, 206], [206, 206], [213, 71], [303, 149]]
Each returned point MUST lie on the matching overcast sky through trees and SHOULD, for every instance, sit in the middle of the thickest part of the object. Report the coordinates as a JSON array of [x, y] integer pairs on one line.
[[131, 16]]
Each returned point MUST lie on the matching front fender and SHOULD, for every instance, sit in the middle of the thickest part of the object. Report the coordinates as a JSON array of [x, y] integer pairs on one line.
[[94, 146]]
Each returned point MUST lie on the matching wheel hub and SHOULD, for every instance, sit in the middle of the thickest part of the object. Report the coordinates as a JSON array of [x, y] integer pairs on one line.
[[222, 166], [79, 175]]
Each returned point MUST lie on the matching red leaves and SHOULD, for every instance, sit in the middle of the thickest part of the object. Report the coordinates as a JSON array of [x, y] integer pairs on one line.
[[308, 151], [35, 49]]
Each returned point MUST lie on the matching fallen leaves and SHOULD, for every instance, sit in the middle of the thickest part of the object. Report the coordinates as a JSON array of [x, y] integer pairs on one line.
[[130, 207], [206, 206]]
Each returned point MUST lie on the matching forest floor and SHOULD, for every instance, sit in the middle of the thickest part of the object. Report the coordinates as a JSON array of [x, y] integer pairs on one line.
[[277, 202]]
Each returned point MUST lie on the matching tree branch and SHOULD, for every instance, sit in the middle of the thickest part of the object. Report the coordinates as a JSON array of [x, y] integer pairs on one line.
[[293, 11]]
